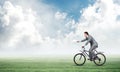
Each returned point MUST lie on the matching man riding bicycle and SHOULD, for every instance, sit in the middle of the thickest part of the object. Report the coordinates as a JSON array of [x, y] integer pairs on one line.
[[93, 44]]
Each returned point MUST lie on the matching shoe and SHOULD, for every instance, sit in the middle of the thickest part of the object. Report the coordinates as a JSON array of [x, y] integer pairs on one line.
[[95, 58], [90, 59]]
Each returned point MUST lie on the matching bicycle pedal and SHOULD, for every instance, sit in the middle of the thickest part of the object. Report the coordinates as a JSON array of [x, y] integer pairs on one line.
[[90, 59]]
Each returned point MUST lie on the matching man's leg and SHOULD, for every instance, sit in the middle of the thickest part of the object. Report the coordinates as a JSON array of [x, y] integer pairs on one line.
[[91, 53]]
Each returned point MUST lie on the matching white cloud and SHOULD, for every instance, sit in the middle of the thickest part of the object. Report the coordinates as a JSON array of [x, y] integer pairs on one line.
[[60, 16], [21, 23], [100, 20], [27, 29], [32, 29]]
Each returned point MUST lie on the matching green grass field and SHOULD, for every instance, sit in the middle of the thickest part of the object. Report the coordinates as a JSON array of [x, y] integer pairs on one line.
[[56, 65]]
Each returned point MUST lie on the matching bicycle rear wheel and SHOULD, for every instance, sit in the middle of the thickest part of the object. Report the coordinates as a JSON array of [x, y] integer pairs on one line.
[[100, 59], [79, 59]]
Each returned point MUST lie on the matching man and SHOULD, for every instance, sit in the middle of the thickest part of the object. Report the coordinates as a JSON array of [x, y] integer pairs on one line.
[[93, 44]]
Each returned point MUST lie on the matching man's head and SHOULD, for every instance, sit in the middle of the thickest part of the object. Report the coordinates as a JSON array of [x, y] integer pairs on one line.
[[86, 34]]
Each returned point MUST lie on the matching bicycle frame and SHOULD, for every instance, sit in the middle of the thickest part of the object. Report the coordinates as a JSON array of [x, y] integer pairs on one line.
[[85, 52]]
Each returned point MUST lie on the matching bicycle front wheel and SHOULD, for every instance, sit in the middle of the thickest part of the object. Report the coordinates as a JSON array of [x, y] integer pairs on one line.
[[100, 59], [79, 59]]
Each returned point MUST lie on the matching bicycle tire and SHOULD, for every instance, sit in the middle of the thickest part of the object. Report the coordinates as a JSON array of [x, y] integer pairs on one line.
[[82, 56], [100, 64]]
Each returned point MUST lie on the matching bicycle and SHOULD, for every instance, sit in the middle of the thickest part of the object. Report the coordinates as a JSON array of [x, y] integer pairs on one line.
[[80, 58]]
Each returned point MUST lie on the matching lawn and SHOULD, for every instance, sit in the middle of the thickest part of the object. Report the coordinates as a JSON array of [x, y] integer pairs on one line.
[[56, 65]]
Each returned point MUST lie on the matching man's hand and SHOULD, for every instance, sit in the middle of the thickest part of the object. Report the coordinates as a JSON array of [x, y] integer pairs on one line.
[[78, 41], [83, 46]]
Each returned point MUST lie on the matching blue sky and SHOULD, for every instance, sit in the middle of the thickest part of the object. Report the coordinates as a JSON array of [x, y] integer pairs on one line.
[[71, 7]]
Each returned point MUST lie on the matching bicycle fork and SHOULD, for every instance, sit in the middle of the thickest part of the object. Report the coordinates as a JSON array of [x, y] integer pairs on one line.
[[80, 57]]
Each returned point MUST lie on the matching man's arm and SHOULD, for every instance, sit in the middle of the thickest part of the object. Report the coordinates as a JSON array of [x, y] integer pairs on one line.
[[89, 39], [84, 40]]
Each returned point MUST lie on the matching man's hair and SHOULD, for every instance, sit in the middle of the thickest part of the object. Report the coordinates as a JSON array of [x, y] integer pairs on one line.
[[86, 33]]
